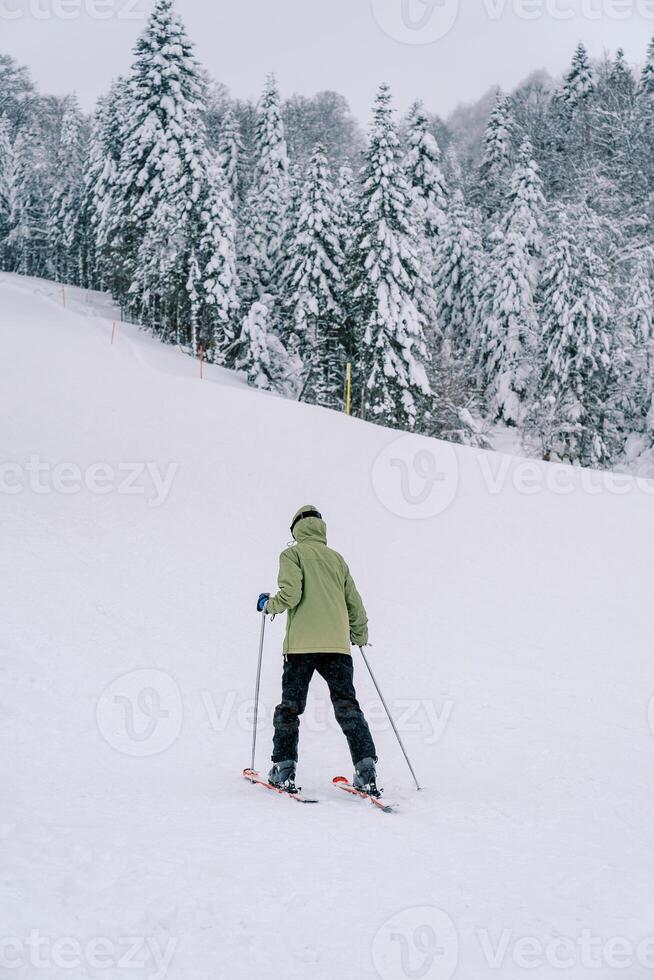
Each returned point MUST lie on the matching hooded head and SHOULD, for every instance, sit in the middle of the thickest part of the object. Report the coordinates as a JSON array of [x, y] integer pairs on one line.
[[308, 525]]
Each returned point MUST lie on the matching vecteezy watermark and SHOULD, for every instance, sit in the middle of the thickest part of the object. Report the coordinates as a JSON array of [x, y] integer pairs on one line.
[[416, 21], [420, 716], [39, 476], [141, 713], [72, 9], [418, 942], [427, 21], [41, 952], [415, 478], [650, 714], [585, 951]]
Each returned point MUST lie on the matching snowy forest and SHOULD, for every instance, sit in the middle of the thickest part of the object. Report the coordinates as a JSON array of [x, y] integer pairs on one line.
[[476, 273]]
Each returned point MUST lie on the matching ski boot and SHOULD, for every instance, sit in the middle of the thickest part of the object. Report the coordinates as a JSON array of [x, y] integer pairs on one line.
[[282, 776], [365, 777]]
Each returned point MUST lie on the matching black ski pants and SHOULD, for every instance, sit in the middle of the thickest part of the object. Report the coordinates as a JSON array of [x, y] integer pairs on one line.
[[338, 670]]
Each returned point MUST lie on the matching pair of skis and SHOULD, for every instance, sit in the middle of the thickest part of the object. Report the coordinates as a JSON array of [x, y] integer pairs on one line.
[[340, 782]]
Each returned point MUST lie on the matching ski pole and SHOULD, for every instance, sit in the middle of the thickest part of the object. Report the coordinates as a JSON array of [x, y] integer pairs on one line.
[[256, 690], [390, 717]]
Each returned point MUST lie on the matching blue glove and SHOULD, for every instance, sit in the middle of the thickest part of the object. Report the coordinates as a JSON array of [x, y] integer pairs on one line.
[[262, 600]]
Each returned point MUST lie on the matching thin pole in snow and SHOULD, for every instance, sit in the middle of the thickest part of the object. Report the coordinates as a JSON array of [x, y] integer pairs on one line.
[[201, 355], [113, 332], [256, 689], [390, 717]]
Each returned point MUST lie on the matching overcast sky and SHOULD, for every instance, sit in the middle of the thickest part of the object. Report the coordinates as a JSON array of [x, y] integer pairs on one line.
[[441, 50]]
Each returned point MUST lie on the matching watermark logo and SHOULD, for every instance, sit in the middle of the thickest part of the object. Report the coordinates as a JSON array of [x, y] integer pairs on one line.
[[67, 10], [416, 21], [129, 955], [419, 943], [141, 713], [416, 479], [150, 480]]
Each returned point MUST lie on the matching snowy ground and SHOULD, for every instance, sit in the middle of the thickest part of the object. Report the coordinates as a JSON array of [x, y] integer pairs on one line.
[[510, 608]]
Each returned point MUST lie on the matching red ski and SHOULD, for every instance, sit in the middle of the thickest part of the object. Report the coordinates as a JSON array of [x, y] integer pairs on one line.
[[342, 783], [255, 778]]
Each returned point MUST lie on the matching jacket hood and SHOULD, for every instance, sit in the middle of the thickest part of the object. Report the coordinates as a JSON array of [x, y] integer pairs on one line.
[[309, 528]]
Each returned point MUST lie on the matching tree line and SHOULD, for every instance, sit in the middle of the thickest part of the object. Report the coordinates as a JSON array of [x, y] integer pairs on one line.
[[508, 284]]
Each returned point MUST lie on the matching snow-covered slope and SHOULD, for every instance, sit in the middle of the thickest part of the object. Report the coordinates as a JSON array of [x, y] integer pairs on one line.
[[510, 609]]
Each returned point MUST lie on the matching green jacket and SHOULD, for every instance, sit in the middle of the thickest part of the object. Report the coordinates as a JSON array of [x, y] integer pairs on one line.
[[319, 594]]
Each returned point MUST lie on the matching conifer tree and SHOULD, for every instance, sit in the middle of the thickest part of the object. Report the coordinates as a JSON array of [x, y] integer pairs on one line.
[[422, 165], [497, 161], [66, 228], [160, 171], [526, 202], [105, 147], [265, 222], [457, 266], [252, 354], [231, 150], [579, 378], [6, 188], [579, 82], [314, 284], [429, 196], [27, 241], [646, 86], [391, 344], [217, 276]]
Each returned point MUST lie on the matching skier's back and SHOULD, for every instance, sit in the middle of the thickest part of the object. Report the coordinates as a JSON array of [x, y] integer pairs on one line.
[[325, 613]]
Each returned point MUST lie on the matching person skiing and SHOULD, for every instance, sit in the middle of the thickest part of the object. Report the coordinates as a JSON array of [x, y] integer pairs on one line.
[[325, 614]]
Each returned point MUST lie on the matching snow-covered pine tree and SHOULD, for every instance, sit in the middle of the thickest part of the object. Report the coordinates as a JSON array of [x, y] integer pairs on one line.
[[6, 188], [644, 124], [646, 86], [452, 169], [569, 130], [496, 167], [27, 241], [251, 351], [346, 204], [639, 336], [614, 126], [264, 226], [313, 286], [506, 317], [217, 279], [194, 299], [510, 328], [391, 345], [578, 384], [231, 150], [67, 233], [105, 147], [422, 165], [579, 82], [526, 202], [457, 270], [429, 194], [160, 173]]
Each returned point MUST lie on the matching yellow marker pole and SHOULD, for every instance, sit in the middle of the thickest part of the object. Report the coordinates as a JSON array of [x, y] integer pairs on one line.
[[348, 389]]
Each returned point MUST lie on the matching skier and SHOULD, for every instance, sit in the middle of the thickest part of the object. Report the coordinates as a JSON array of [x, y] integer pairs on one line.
[[325, 613]]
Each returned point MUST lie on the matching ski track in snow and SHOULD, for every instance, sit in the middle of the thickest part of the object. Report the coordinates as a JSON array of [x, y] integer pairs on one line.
[[528, 614]]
